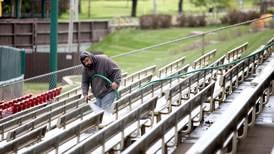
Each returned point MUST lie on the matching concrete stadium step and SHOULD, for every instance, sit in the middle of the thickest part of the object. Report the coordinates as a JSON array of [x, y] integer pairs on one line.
[[259, 140], [203, 127], [260, 137], [210, 118]]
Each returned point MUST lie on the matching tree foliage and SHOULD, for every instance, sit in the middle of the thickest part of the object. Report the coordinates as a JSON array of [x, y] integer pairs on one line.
[[212, 3]]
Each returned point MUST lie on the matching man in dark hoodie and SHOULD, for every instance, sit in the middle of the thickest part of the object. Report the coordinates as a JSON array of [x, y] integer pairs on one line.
[[101, 89]]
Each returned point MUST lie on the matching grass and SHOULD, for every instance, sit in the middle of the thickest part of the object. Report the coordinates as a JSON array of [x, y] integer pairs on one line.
[[106, 9], [126, 40], [130, 39], [114, 8], [38, 88], [35, 88]]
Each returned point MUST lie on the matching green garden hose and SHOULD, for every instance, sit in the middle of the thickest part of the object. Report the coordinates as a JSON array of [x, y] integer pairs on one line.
[[108, 81], [182, 75]]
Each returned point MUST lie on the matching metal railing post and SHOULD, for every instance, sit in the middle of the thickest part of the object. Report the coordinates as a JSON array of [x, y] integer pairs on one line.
[[203, 44]]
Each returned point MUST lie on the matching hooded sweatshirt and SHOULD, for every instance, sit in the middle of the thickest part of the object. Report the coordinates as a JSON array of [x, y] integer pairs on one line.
[[101, 65]]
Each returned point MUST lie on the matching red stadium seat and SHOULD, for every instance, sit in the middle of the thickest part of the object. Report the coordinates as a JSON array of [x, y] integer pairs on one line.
[[44, 98], [25, 105], [31, 102], [59, 90], [40, 99], [6, 106], [15, 108], [35, 101], [51, 94], [54, 93], [10, 104], [22, 107]]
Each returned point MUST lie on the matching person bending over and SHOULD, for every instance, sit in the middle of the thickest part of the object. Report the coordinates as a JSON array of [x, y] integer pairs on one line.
[[101, 89]]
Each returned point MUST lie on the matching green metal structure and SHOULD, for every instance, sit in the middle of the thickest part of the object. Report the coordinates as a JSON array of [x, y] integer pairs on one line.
[[43, 6], [53, 43], [18, 8]]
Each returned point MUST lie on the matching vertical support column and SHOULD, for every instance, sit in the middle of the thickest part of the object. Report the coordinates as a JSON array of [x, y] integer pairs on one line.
[[13, 35], [18, 8], [43, 7], [12, 8], [32, 10], [78, 35], [53, 43], [203, 44], [23, 61], [154, 7], [34, 36], [70, 28], [76, 9], [89, 9]]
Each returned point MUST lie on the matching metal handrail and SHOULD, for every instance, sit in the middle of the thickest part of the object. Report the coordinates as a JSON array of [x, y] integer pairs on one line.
[[142, 49]]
